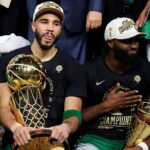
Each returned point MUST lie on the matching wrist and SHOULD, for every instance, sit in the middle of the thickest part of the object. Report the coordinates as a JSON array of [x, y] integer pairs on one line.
[[15, 126], [72, 113], [67, 127], [143, 146], [106, 106]]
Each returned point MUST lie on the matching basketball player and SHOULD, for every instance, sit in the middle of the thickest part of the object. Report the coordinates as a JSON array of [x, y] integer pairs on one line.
[[117, 83], [65, 87]]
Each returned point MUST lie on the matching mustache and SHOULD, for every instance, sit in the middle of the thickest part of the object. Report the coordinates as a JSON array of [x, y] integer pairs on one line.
[[49, 33]]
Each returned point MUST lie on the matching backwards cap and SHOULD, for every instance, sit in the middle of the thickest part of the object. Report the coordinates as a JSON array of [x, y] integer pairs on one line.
[[48, 6], [121, 28]]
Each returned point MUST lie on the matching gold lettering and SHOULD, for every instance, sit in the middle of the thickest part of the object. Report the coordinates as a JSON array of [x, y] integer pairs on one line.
[[126, 25], [114, 121]]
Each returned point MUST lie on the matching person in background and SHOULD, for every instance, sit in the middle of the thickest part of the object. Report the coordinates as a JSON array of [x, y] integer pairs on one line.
[[65, 88], [117, 82], [13, 18], [143, 15], [143, 22], [77, 24]]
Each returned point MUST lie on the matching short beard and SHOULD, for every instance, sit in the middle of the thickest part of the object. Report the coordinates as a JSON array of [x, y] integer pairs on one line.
[[125, 58], [39, 39]]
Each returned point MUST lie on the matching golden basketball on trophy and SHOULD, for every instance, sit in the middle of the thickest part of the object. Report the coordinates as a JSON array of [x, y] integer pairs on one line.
[[140, 129], [25, 70]]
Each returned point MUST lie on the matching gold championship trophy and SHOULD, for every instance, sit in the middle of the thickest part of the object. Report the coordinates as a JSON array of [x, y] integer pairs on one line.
[[140, 129], [26, 78]]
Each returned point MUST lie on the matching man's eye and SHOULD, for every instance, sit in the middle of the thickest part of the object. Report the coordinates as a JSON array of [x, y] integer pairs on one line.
[[44, 21], [125, 41], [57, 23], [129, 41]]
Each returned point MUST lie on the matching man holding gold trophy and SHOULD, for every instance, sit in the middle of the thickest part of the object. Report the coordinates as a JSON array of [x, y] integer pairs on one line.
[[41, 88], [116, 113]]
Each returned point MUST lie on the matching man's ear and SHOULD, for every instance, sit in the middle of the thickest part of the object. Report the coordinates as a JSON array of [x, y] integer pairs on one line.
[[33, 26], [110, 43]]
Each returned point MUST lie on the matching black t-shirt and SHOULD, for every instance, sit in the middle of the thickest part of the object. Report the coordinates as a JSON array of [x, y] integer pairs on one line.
[[101, 79], [64, 77]]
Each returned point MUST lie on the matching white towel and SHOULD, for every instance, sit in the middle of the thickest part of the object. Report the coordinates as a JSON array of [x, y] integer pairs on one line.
[[5, 3], [11, 42]]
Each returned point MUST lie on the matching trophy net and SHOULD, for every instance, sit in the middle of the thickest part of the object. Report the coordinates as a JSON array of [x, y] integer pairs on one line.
[[28, 101]]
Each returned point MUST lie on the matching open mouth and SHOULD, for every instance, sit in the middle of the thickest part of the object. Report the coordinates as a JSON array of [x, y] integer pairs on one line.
[[48, 36]]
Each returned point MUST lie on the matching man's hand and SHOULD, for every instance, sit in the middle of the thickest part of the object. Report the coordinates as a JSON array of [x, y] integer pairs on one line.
[[21, 135], [121, 99], [143, 15], [141, 19], [93, 20], [60, 132]]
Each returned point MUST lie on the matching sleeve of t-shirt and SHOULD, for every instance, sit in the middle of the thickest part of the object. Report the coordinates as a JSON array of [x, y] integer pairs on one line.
[[3, 64], [147, 79], [76, 81], [87, 101]]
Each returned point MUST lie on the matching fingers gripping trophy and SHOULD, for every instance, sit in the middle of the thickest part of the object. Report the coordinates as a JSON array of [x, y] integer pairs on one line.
[[26, 78]]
